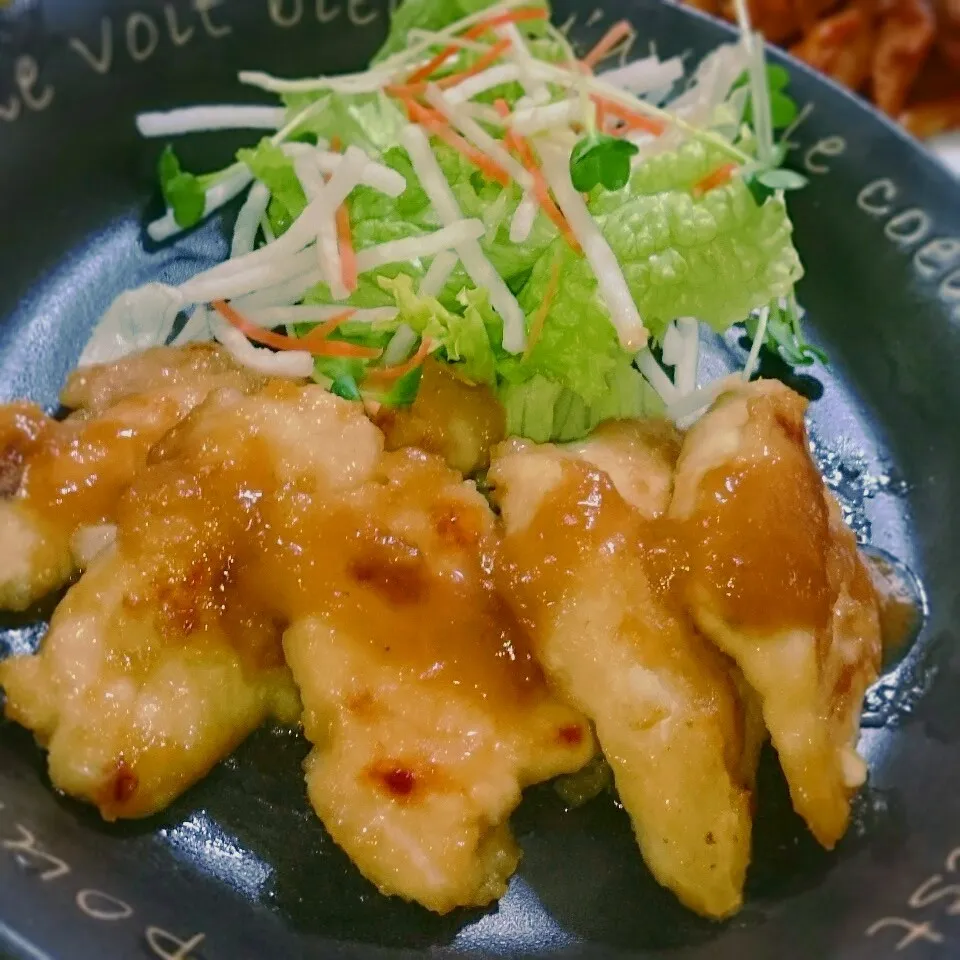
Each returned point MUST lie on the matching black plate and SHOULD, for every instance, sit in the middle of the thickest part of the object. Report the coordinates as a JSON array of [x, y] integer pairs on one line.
[[240, 867]]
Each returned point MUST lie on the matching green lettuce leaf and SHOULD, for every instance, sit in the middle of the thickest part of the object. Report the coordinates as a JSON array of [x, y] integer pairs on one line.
[[270, 164], [716, 257], [464, 337], [542, 410], [424, 15], [578, 347], [371, 121]]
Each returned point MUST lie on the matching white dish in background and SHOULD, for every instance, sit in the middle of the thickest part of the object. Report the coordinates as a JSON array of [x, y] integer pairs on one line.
[[947, 148]]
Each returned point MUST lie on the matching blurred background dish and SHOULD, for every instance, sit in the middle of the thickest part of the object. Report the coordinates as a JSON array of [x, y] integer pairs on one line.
[[903, 55]]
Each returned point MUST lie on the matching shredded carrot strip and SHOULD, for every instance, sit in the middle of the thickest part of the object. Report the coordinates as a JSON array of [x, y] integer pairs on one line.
[[438, 126], [601, 116], [540, 317], [319, 334], [541, 189], [633, 119], [476, 31], [487, 60], [399, 369], [348, 256], [432, 65], [341, 348], [405, 91], [718, 178], [280, 341], [619, 32], [520, 15]]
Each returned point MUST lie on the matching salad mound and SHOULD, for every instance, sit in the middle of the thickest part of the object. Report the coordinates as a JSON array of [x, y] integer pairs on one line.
[[483, 196]]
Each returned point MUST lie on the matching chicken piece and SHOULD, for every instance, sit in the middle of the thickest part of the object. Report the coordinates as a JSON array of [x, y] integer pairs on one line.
[[427, 713], [841, 46], [260, 513], [775, 580], [579, 562], [948, 31], [906, 37], [929, 118], [779, 20], [139, 690], [57, 478], [449, 417], [191, 371], [160, 660]]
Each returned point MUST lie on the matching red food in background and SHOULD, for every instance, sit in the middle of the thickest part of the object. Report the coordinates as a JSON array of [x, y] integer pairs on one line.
[[904, 55]]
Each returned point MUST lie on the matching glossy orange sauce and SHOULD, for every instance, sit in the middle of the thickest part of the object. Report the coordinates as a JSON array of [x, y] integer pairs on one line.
[[758, 541], [901, 614], [75, 470], [401, 565], [453, 419]]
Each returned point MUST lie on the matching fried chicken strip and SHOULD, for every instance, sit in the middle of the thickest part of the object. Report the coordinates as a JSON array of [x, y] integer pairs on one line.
[[160, 660], [579, 561], [777, 583], [273, 512], [427, 713], [60, 481]]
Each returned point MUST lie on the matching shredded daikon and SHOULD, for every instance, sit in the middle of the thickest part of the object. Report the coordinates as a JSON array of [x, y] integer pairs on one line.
[[302, 232], [309, 175], [281, 294], [400, 345], [685, 374], [136, 320], [320, 197], [479, 268], [645, 76], [656, 376], [672, 345], [173, 123], [682, 408], [369, 81], [483, 81], [435, 39], [196, 329], [484, 113], [287, 363], [711, 84], [269, 317], [749, 368], [436, 277], [535, 120], [209, 286], [478, 136], [374, 80], [612, 284], [452, 236], [523, 218], [376, 175], [248, 220], [519, 54]]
